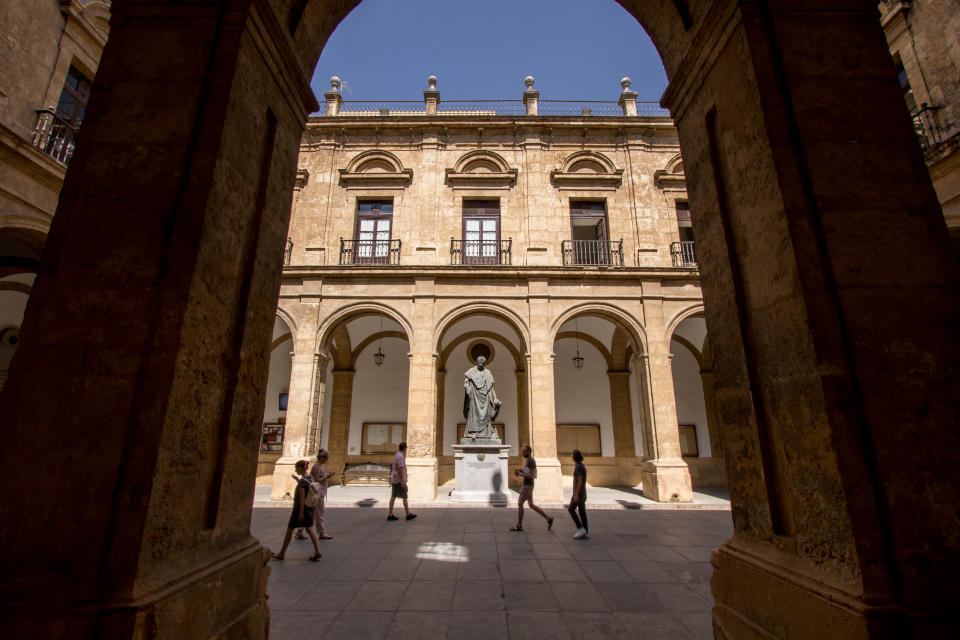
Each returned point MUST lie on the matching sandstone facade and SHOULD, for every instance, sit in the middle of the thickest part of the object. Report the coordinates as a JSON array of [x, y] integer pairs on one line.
[[534, 291]]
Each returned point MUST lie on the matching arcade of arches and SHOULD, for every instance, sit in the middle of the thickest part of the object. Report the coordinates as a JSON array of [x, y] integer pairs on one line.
[[830, 291]]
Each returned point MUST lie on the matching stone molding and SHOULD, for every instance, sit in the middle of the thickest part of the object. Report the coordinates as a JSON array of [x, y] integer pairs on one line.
[[465, 170], [361, 170], [600, 170]]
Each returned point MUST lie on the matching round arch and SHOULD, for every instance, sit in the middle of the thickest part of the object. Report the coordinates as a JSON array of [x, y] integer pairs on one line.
[[287, 317], [636, 336], [680, 316], [482, 308], [470, 335], [358, 310]]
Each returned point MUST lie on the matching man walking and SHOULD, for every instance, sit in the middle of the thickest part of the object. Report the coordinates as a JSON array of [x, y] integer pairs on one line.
[[398, 482], [529, 473]]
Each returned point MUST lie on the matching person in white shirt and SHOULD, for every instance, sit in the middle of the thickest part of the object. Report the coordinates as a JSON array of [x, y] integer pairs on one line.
[[398, 482]]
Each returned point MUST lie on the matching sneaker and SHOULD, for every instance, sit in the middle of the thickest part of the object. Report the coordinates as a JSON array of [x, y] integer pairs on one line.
[[411, 516], [392, 517], [581, 533]]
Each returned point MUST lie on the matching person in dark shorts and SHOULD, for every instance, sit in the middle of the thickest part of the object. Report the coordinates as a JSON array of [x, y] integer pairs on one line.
[[301, 516], [529, 474], [398, 482], [578, 501]]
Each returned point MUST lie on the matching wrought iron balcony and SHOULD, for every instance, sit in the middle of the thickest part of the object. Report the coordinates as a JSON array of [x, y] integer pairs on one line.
[[369, 251], [683, 254], [927, 128], [600, 253], [481, 252], [54, 136]]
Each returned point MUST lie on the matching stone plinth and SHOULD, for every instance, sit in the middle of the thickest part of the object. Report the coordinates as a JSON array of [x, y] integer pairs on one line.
[[480, 472]]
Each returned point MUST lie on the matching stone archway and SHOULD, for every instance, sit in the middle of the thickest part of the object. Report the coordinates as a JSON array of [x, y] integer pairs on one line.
[[154, 333]]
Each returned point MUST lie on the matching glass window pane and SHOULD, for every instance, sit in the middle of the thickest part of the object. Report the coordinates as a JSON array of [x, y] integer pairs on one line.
[[472, 224], [367, 225]]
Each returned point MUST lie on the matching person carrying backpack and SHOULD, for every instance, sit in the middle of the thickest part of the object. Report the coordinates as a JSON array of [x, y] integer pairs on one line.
[[302, 514]]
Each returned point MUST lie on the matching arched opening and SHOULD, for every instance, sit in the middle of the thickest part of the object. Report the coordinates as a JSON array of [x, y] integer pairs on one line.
[[472, 333], [822, 398], [277, 400]]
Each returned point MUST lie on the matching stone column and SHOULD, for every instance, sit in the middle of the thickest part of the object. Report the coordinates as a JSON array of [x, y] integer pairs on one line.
[[341, 402], [334, 97], [531, 97], [543, 420], [832, 301], [523, 418], [422, 398], [296, 431], [666, 477], [710, 406], [621, 411], [150, 325], [431, 96]]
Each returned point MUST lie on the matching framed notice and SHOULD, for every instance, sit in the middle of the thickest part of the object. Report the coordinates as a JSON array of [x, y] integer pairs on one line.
[[271, 439], [688, 441], [461, 427], [382, 437], [585, 437]]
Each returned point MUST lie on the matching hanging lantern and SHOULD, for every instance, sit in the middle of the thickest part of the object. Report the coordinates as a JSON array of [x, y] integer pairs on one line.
[[578, 359], [378, 356]]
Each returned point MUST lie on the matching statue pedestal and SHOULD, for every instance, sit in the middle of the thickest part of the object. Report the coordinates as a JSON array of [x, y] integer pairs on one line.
[[480, 472]]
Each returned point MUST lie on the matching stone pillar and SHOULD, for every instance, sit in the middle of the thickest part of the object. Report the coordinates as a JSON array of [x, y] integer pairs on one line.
[[523, 418], [543, 420], [296, 431], [832, 300], [334, 97], [531, 97], [422, 398], [438, 424], [150, 325], [621, 411], [628, 98], [421, 424], [431, 96], [341, 402], [710, 406]]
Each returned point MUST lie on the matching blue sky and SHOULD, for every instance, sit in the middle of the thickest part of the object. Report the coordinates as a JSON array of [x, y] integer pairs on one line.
[[576, 49]]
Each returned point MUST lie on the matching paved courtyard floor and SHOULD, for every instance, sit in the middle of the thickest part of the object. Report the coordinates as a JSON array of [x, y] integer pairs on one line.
[[459, 573]]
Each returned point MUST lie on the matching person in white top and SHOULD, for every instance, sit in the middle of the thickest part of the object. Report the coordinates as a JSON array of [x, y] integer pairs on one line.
[[398, 482]]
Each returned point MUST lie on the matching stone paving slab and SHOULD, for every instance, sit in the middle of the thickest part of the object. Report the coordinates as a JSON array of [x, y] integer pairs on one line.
[[459, 573], [710, 498]]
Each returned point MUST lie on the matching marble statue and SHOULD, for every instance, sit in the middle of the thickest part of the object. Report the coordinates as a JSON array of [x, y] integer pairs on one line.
[[480, 403]]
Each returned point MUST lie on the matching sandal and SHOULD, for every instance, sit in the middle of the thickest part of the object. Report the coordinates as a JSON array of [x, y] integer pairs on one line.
[[549, 524], [300, 536], [516, 528], [276, 556], [324, 537], [315, 557]]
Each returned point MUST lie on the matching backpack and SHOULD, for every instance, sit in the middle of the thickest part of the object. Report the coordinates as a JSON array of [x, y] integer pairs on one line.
[[314, 495]]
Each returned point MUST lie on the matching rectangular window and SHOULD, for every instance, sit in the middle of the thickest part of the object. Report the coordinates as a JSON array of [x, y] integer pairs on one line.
[[481, 231], [73, 98], [684, 223], [374, 222], [905, 84], [588, 222], [585, 437]]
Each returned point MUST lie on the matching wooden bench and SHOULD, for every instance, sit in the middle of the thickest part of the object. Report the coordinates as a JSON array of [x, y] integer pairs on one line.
[[371, 471]]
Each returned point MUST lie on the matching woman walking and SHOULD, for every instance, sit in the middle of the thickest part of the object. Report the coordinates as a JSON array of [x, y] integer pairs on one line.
[[320, 475], [578, 501], [302, 515]]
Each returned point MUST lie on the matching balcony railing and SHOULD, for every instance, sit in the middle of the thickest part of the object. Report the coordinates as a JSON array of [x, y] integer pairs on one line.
[[601, 253], [683, 254], [369, 251], [927, 128], [54, 136], [481, 252]]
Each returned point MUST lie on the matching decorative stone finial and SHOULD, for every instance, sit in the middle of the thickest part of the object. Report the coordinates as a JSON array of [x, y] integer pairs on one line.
[[335, 83], [528, 81], [432, 81], [625, 83]]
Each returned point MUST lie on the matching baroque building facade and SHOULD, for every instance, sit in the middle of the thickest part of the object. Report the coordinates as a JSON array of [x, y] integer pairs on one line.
[[924, 40], [50, 56], [550, 236]]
